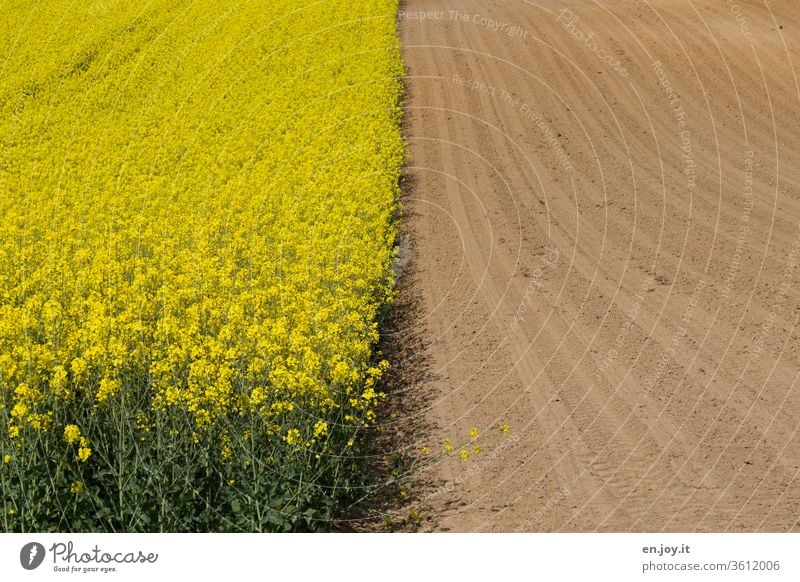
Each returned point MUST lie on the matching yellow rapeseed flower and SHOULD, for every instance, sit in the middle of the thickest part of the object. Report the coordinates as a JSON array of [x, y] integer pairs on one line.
[[321, 428], [7, 458], [71, 434], [84, 453], [225, 450], [258, 396], [20, 411], [76, 487], [142, 422], [84, 450], [40, 421], [107, 389], [473, 433], [464, 455], [79, 368], [58, 383], [293, 437]]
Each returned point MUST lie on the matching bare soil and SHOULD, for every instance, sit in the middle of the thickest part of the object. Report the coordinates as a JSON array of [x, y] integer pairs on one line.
[[604, 216]]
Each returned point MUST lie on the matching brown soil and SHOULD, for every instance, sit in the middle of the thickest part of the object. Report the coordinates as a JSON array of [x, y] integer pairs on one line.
[[601, 263]]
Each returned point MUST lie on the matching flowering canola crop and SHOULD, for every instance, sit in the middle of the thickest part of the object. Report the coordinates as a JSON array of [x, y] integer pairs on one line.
[[197, 205]]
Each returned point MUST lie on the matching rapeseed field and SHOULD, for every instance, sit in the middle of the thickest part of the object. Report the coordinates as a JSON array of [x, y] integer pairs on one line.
[[197, 224]]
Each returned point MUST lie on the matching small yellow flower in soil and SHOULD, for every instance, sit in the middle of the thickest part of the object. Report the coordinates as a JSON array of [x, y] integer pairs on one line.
[[448, 446], [476, 449], [425, 451], [464, 455], [504, 428], [473, 433]]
